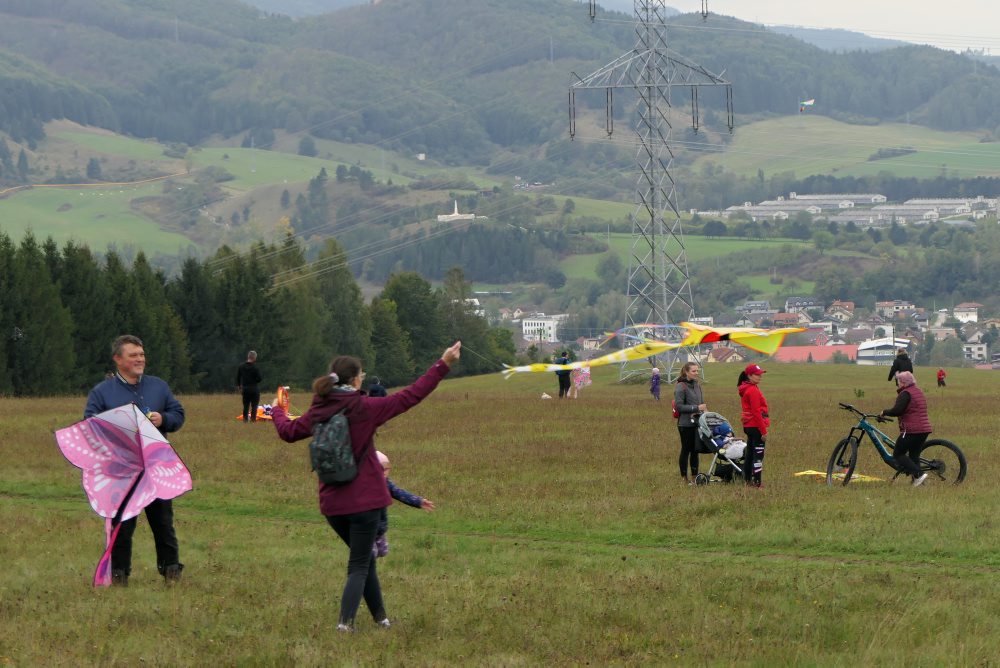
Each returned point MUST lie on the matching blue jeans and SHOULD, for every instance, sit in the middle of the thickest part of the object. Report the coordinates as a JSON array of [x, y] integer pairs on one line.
[[358, 532]]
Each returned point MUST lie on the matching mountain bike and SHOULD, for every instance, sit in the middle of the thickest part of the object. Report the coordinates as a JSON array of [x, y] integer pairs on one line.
[[941, 460]]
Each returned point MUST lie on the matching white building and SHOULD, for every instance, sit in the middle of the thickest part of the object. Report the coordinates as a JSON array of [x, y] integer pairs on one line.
[[450, 217], [541, 327], [880, 352], [975, 352], [967, 312]]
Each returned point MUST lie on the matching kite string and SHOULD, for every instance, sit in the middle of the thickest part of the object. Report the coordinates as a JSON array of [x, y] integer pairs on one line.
[[482, 357]]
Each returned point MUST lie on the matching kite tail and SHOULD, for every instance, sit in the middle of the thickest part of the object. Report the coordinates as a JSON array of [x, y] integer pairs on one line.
[[102, 575]]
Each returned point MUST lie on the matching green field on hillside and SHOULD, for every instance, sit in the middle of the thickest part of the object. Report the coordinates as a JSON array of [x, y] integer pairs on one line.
[[563, 536], [118, 145], [809, 144], [697, 247], [93, 216], [764, 289], [585, 206]]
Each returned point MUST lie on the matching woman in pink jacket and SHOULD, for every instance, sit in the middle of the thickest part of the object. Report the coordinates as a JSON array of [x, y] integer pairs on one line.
[[755, 420], [354, 509]]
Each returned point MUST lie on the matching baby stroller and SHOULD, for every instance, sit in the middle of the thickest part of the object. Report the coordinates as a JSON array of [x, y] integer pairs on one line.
[[715, 437]]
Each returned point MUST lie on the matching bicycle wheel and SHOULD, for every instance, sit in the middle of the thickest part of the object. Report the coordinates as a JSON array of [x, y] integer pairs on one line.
[[842, 462], [942, 461]]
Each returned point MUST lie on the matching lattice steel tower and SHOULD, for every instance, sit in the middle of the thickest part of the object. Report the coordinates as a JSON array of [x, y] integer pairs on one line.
[[659, 285]]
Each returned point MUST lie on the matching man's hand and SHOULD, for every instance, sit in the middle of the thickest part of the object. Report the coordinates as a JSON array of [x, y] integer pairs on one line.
[[155, 418]]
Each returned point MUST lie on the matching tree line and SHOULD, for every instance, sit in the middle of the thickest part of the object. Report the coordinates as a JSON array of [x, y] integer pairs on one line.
[[60, 308], [197, 69]]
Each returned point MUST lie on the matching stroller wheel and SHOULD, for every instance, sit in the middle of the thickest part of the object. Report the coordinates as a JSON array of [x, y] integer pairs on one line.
[[701, 479]]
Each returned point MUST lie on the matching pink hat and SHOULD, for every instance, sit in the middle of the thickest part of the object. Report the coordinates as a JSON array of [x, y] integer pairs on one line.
[[905, 379], [753, 370]]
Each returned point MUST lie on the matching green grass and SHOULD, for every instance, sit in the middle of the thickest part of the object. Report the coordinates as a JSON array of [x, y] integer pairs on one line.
[[563, 537], [811, 144], [959, 160], [118, 145], [94, 216], [765, 289], [595, 208], [698, 248]]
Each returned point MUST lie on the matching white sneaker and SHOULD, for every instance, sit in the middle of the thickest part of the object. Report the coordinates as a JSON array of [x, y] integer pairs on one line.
[[385, 623], [917, 482], [345, 628]]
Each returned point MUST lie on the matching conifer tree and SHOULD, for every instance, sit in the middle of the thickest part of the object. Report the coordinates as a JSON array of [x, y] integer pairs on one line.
[[393, 360], [84, 291], [41, 350]]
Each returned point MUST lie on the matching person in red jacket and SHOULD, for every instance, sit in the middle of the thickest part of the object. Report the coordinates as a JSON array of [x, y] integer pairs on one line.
[[755, 421], [914, 425], [353, 510], [941, 376]]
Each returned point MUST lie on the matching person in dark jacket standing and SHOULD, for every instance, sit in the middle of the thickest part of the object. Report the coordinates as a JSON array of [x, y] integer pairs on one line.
[[756, 420], [901, 363], [563, 374], [377, 389], [248, 380], [130, 385], [690, 404], [353, 509], [914, 425]]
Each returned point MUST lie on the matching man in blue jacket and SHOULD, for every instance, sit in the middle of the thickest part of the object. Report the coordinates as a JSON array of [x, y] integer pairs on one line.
[[153, 396]]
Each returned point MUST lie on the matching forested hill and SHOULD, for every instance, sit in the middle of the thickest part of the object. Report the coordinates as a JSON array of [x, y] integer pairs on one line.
[[460, 80]]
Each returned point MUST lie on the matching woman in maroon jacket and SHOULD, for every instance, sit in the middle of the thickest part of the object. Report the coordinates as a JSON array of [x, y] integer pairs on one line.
[[914, 425], [353, 510]]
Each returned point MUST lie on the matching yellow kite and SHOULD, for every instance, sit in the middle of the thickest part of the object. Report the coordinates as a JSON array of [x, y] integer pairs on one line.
[[765, 341]]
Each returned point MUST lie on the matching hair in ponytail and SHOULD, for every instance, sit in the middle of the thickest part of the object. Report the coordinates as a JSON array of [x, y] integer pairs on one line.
[[343, 370], [742, 379]]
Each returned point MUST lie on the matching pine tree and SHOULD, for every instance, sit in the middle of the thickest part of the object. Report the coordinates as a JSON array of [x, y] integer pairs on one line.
[[393, 360], [22, 165], [7, 335], [41, 352], [85, 292], [418, 315], [343, 299]]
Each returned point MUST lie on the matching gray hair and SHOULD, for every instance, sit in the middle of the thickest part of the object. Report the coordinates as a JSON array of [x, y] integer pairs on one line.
[[252, 355], [119, 343]]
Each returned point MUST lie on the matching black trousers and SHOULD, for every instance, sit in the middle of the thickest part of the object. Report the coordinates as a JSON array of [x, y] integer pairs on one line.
[[753, 458], [251, 400], [689, 450], [358, 531], [564, 382], [160, 515], [905, 452]]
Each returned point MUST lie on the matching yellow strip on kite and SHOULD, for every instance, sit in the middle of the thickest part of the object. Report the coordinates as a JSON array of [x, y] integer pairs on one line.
[[860, 477], [765, 341], [626, 355]]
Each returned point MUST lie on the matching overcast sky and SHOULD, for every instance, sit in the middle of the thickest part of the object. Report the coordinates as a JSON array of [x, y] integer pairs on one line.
[[955, 25]]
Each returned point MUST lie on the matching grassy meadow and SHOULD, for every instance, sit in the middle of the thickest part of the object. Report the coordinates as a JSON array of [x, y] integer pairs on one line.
[[563, 536], [95, 216], [697, 247], [809, 144]]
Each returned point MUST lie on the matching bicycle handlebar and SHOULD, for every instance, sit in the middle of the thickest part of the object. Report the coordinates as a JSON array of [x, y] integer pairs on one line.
[[861, 414]]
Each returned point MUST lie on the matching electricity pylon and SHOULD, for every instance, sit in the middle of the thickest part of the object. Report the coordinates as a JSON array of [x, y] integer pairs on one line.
[[659, 284]]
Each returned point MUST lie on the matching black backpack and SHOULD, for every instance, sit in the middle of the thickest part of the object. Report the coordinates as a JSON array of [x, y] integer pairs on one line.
[[331, 453]]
